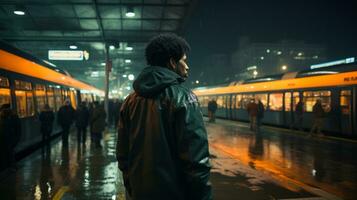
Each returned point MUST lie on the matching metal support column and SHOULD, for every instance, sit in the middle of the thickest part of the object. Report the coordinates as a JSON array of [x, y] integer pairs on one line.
[[106, 81]]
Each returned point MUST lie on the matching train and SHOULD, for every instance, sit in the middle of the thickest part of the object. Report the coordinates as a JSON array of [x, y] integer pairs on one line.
[[335, 86], [28, 83]]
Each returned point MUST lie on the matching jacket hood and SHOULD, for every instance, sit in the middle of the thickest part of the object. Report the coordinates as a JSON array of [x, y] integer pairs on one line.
[[152, 80]]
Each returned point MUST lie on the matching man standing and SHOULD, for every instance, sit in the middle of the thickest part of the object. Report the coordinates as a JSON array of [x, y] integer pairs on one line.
[[319, 114], [299, 112], [162, 145], [260, 115], [10, 134], [212, 107], [82, 119], [46, 118], [252, 109], [66, 116], [97, 123]]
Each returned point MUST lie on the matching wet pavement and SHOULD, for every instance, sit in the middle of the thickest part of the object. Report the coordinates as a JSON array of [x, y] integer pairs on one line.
[[275, 164], [316, 166], [73, 171]]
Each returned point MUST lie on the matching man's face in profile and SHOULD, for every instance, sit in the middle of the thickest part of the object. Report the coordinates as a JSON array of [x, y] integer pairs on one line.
[[182, 67]]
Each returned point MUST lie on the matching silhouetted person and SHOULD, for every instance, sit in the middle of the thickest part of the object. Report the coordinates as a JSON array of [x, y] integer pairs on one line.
[[260, 115], [212, 107], [111, 112], [298, 117], [10, 133], [97, 122], [319, 115], [46, 118], [117, 106], [66, 116], [252, 109], [91, 109], [162, 146], [82, 120]]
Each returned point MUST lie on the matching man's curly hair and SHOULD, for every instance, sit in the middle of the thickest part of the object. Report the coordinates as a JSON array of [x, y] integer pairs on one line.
[[163, 47]]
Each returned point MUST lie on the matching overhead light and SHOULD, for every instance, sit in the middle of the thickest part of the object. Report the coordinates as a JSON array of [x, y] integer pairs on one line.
[[73, 47], [284, 67], [124, 75], [111, 47], [103, 64], [127, 61], [129, 48], [19, 10], [130, 12], [131, 77]]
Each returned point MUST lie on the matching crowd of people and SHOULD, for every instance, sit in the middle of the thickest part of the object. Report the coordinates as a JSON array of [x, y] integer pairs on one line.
[[90, 115]]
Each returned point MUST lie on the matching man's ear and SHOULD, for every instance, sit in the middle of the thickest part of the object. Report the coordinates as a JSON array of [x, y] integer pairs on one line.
[[172, 63]]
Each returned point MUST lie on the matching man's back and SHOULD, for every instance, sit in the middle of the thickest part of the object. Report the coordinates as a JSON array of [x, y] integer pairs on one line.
[[162, 142]]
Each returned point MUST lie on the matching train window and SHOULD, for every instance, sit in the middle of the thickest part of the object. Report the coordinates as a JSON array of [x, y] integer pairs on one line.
[[4, 82], [287, 101], [246, 99], [40, 93], [58, 98], [238, 101], [296, 99], [51, 98], [310, 98], [263, 98], [4, 96], [225, 97], [22, 85], [24, 102], [219, 102], [276, 101], [65, 94], [345, 102]]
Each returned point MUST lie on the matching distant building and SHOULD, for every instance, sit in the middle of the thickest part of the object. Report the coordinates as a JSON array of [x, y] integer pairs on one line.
[[261, 59], [215, 69]]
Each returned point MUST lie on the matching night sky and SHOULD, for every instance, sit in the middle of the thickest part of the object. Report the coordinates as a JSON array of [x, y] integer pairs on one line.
[[217, 25]]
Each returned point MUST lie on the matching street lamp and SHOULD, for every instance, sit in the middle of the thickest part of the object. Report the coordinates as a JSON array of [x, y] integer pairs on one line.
[[255, 73]]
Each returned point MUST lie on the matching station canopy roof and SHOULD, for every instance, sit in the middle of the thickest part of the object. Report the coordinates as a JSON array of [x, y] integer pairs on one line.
[[90, 25]]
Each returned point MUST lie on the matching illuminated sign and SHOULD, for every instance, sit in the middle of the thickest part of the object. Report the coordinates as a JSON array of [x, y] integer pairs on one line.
[[337, 62], [251, 68], [65, 55]]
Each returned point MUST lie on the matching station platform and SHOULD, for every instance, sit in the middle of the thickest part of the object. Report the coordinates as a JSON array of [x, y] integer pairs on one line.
[[274, 164]]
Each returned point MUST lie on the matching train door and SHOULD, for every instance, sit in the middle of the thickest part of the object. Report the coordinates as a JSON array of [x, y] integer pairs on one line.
[[226, 105], [354, 111], [233, 105], [344, 111], [288, 111]]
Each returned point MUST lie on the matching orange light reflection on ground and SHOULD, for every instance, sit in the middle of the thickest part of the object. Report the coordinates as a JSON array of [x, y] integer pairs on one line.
[[273, 161]]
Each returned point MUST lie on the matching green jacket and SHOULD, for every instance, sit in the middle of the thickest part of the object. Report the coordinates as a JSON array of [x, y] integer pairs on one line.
[[162, 146]]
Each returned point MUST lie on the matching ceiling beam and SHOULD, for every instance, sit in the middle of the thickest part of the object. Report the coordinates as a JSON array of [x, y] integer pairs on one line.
[[49, 3], [74, 39]]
